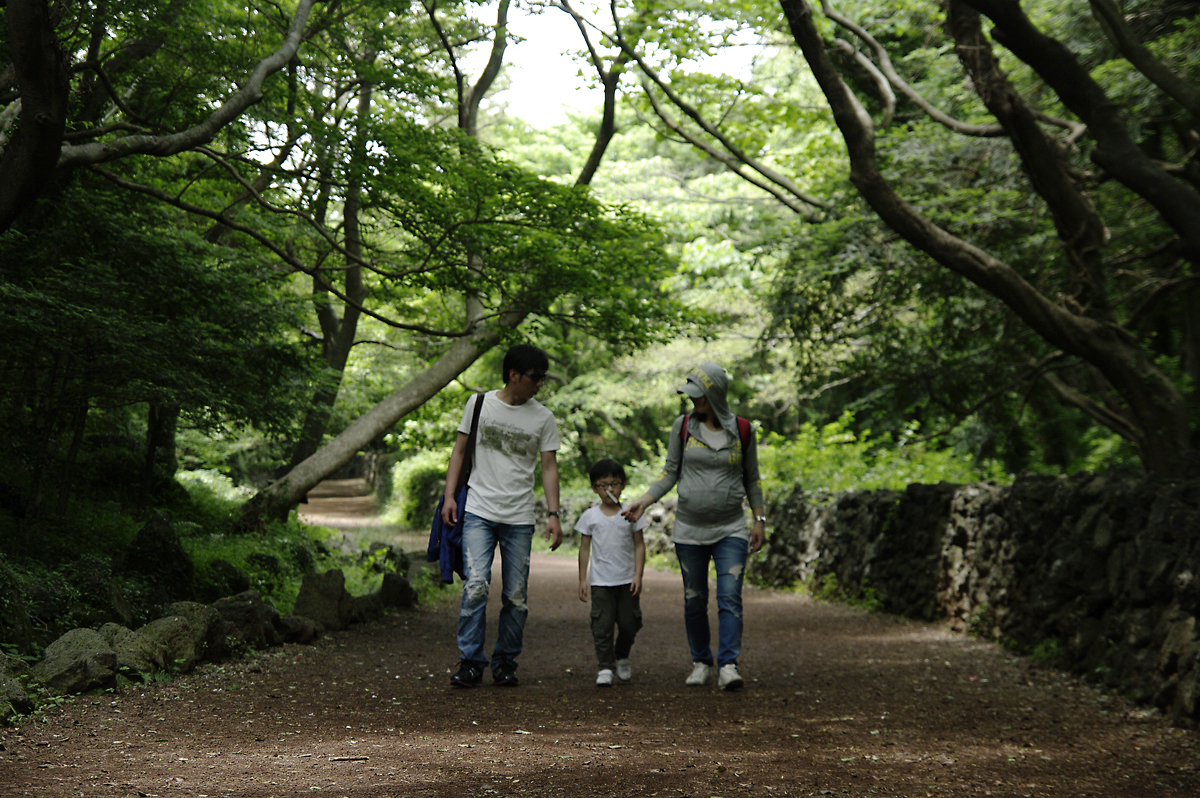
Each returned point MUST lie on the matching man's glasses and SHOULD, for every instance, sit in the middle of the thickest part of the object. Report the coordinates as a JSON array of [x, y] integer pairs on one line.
[[535, 376], [608, 485]]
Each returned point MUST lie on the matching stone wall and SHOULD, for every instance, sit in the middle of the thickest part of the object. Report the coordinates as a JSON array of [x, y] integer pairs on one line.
[[1100, 572]]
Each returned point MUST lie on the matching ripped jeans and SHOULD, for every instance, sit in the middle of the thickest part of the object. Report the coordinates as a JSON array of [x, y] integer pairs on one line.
[[729, 555], [480, 539]]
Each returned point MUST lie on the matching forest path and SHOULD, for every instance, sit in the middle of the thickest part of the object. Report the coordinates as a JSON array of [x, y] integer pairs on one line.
[[837, 702], [351, 506], [347, 504]]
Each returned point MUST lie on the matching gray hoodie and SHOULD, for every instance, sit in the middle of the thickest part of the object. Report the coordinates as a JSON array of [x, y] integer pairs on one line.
[[712, 482]]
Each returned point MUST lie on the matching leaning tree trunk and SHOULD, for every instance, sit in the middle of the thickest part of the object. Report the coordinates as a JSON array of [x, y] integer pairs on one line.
[[277, 499], [1154, 405]]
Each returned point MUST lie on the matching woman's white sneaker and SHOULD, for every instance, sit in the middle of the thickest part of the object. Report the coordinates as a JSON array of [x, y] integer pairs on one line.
[[728, 677], [604, 678], [699, 675], [624, 670]]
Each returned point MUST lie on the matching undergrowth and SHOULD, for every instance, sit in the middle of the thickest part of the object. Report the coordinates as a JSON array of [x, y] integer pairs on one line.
[[277, 560], [829, 588]]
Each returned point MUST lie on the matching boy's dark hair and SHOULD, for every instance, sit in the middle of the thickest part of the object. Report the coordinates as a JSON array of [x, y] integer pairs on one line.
[[522, 358], [606, 468]]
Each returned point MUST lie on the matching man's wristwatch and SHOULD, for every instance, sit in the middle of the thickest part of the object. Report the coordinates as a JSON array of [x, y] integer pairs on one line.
[[553, 513], [762, 518]]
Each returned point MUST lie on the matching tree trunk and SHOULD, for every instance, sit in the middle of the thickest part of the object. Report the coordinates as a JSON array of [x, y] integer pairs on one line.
[[339, 334], [43, 83], [161, 424], [1079, 228]]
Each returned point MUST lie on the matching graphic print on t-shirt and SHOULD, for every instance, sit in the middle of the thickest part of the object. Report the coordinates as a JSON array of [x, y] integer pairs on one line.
[[511, 441]]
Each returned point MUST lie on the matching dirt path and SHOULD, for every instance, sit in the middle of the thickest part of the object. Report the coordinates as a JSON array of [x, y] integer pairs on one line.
[[838, 702]]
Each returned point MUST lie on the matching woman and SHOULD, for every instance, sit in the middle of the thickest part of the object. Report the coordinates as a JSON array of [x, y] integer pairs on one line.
[[713, 456]]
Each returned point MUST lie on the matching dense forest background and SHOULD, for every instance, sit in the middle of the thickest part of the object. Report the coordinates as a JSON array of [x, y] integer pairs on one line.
[[242, 244]]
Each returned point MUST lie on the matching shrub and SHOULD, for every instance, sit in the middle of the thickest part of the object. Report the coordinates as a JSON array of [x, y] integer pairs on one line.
[[417, 484], [828, 588], [833, 459]]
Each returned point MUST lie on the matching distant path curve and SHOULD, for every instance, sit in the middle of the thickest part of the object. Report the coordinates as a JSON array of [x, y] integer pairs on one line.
[[347, 504]]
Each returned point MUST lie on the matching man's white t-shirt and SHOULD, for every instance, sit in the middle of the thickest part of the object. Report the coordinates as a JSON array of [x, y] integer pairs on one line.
[[612, 545], [508, 447]]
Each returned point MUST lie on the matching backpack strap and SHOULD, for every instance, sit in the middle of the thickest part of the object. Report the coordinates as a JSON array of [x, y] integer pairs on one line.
[[743, 425], [683, 436], [469, 456]]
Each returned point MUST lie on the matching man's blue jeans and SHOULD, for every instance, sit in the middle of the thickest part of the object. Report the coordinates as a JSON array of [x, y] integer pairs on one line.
[[729, 555], [480, 538]]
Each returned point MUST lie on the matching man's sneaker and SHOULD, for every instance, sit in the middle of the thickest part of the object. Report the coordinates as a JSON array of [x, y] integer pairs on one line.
[[604, 678], [505, 675], [728, 677], [699, 675], [469, 674], [624, 670]]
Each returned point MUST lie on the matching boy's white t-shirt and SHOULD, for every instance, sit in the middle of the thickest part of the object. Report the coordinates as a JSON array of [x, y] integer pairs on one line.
[[612, 545], [508, 447]]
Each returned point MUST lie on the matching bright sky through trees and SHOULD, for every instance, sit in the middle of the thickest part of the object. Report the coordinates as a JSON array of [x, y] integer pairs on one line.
[[544, 79]]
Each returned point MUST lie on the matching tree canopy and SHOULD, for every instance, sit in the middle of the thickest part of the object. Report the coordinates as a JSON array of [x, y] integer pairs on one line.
[[1038, 235], [976, 217]]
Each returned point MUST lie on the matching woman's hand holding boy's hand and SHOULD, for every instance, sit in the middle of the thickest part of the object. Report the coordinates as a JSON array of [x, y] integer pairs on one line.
[[638, 507]]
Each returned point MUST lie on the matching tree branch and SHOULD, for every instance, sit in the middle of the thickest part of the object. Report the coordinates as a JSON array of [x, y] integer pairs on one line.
[[881, 81], [610, 79], [1161, 75], [695, 115], [280, 252], [1116, 151], [1114, 421], [1079, 227], [169, 144], [475, 94], [1153, 399], [733, 164], [885, 64]]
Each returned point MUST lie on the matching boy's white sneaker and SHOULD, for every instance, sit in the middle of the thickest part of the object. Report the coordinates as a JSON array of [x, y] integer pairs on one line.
[[728, 677], [604, 678], [624, 670], [699, 675]]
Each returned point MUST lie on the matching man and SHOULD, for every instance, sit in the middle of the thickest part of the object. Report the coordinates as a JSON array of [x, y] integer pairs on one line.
[[515, 431]]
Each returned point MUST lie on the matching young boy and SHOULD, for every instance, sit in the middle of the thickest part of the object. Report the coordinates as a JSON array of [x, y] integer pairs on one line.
[[618, 556]]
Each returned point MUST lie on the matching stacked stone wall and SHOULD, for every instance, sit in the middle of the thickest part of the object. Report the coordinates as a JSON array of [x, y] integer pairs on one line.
[[1100, 572]]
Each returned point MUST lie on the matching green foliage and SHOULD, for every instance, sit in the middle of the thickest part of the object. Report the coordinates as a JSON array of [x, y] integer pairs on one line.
[[829, 588], [99, 296], [417, 484], [1049, 653], [982, 622], [1103, 450], [245, 454], [277, 560], [122, 326], [212, 492], [833, 458]]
